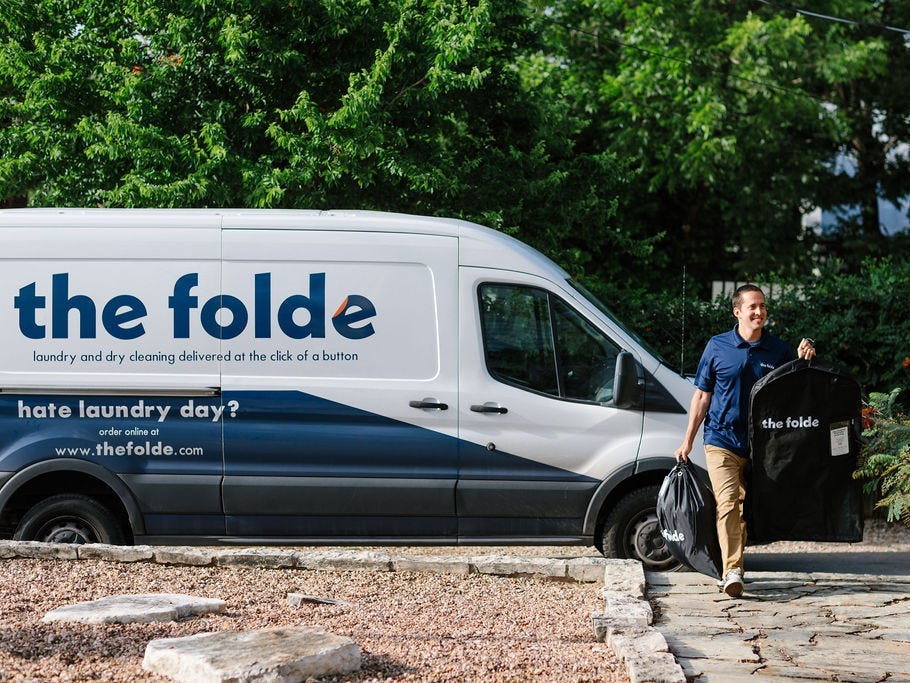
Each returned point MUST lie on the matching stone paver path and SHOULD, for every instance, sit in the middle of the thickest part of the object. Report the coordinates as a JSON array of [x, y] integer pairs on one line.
[[787, 626]]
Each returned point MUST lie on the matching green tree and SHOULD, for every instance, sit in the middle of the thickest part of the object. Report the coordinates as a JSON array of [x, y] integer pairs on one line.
[[624, 139], [733, 114], [403, 105], [702, 97], [863, 69]]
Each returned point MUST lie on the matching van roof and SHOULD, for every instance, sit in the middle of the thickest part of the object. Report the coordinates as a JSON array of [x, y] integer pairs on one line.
[[478, 245]]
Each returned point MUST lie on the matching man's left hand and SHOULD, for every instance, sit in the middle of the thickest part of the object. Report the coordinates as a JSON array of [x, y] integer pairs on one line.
[[806, 349]]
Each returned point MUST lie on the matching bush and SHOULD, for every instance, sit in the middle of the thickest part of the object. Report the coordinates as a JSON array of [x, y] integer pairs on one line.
[[885, 459], [858, 321], [676, 327]]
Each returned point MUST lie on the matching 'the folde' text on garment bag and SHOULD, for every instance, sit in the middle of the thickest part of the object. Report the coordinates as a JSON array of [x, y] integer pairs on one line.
[[805, 425]]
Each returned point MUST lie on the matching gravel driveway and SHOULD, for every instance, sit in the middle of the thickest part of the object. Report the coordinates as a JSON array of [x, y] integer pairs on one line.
[[410, 626]]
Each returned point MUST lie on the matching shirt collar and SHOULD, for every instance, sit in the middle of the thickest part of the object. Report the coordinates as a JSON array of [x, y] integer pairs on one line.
[[739, 342]]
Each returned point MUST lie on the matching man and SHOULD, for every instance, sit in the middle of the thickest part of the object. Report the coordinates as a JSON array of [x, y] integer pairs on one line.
[[729, 367]]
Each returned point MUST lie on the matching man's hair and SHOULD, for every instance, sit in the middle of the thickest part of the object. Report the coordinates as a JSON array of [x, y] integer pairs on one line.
[[741, 292]]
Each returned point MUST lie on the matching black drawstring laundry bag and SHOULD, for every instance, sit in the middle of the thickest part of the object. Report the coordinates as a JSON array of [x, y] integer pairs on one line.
[[686, 514], [805, 428]]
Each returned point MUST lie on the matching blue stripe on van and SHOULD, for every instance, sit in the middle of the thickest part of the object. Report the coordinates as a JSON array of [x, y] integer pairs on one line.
[[290, 433], [283, 433], [293, 464]]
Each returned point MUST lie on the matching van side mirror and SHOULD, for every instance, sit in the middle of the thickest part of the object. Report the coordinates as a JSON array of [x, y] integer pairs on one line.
[[626, 385]]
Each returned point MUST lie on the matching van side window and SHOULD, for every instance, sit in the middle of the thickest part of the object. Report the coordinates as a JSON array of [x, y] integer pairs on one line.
[[536, 341], [518, 337]]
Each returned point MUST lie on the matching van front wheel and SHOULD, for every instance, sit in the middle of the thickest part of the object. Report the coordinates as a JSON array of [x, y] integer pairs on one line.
[[69, 518], [630, 531]]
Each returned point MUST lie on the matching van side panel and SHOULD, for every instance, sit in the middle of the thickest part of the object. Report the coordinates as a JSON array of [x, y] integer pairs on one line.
[[95, 366], [90, 308]]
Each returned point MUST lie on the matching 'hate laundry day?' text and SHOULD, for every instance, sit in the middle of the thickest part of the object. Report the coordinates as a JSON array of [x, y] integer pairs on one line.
[[138, 410]]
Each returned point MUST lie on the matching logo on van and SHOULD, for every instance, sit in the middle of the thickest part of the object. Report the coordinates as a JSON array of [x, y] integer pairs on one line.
[[122, 315]]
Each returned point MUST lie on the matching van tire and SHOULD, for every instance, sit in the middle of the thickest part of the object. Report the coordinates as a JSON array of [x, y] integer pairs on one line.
[[69, 518], [630, 531]]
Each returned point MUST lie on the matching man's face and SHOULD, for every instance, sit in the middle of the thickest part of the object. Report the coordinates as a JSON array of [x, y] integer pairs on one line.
[[751, 313]]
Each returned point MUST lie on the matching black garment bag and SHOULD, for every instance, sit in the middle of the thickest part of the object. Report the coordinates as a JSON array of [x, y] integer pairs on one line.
[[805, 426]]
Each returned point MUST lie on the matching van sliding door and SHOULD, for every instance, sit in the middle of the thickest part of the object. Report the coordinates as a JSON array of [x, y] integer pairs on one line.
[[339, 385]]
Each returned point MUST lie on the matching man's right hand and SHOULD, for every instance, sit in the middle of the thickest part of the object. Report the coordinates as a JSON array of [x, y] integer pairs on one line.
[[682, 453], [698, 408]]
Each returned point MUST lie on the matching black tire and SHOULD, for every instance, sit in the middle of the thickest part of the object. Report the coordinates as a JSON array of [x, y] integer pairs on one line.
[[69, 518], [631, 531]]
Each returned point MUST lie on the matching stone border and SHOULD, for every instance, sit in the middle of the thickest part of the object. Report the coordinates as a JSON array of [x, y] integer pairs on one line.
[[581, 569], [626, 626]]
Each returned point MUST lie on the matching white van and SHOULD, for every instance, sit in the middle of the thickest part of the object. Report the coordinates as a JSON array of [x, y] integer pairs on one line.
[[201, 376]]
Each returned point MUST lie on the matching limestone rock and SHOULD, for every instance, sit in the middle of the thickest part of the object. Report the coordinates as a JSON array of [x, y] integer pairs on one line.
[[277, 655], [127, 609]]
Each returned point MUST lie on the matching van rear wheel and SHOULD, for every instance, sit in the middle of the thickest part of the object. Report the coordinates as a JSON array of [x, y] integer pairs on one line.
[[69, 518], [631, 531]]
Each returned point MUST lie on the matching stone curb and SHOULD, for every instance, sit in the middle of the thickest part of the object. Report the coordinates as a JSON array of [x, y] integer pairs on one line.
[[626, 626], [581, 569]]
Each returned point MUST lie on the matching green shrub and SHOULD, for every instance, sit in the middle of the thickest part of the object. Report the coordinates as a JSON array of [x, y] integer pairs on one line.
[[858, 321], [885, 459]]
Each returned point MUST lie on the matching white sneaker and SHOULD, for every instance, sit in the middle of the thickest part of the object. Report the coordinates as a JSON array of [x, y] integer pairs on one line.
[[722, 580], [733, 584]]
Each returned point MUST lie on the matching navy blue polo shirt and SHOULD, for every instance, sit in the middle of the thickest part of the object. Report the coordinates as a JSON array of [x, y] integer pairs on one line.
[[729, 368]]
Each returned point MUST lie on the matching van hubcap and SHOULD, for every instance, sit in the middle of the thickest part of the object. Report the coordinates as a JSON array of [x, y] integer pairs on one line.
[[646, 543], [68, 531]]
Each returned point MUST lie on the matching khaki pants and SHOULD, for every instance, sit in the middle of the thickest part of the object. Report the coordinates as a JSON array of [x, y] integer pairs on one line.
[[725, 469]]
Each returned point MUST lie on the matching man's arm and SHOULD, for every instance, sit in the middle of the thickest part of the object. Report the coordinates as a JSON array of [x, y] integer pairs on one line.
[[698, 408]]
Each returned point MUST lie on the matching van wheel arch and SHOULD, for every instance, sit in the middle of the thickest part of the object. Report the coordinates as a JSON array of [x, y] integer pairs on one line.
[[48, 479]]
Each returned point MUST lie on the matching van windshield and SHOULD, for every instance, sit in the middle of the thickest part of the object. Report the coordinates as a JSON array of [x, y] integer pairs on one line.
[[600, 306]]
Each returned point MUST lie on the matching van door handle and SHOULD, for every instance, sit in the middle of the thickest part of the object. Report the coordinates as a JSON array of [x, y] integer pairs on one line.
[[429, 404], [489, 408]]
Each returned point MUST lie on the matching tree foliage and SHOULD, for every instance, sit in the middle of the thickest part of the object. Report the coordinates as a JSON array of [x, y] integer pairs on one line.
[[625, 139], [856, 319], [423, 106], [735, 114]]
